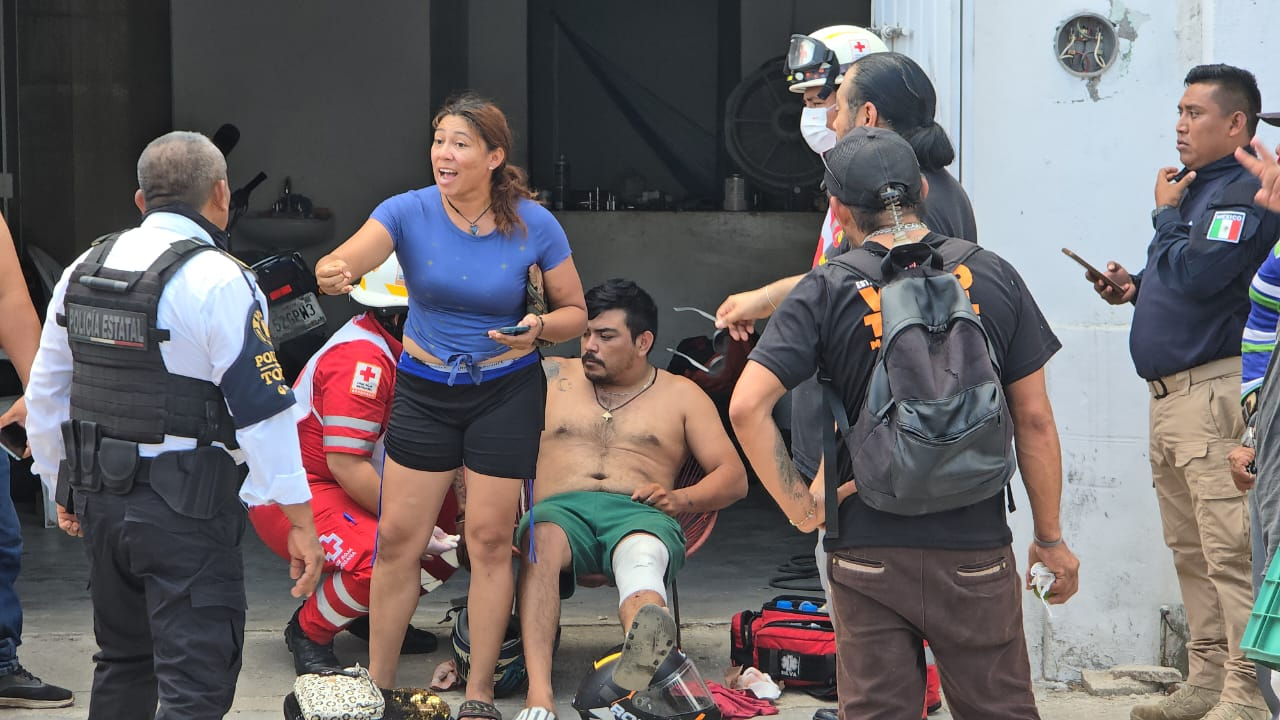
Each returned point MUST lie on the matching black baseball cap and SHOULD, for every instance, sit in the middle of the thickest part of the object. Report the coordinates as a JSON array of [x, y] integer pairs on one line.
[[1270, 118], [865, 162]]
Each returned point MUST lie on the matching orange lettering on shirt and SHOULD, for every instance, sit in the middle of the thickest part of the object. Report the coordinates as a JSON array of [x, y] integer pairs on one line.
[[965, 276], [873, 319]]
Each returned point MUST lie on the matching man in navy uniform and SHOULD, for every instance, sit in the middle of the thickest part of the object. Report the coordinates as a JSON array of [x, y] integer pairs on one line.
[[1190, 306], [154, 388]]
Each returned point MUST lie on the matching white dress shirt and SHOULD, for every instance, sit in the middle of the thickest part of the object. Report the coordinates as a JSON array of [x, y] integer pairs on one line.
[[204, 307]]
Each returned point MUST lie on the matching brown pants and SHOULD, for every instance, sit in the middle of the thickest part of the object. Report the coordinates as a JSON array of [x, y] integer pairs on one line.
[[1195, 422], [966, 603]]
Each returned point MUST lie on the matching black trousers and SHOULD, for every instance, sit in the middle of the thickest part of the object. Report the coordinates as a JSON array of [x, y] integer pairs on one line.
[[168, 607]]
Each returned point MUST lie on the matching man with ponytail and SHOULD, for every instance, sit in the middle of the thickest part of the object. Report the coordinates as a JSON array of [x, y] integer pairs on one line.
[[897, 578], [880, 89]]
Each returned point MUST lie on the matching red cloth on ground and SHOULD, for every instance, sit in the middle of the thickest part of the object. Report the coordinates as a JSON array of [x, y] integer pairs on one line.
[[739, 704]]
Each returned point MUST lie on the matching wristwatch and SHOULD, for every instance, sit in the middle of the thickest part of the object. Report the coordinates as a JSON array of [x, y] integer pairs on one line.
[[1156, 213]]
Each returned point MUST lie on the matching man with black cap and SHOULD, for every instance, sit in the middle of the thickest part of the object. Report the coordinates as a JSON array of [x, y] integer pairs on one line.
[[1190, 306], [896, 578]]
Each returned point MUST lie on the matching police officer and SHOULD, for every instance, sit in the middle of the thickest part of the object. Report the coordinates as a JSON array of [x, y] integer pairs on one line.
[[1190, 306], [154, 386]]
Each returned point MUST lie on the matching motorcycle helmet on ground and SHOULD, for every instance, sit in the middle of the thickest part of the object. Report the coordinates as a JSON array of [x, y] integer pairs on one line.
[[678, 693], [510, 675], [822, 57]]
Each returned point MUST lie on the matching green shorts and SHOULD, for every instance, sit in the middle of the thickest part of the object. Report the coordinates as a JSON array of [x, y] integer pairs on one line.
[[595, 522]]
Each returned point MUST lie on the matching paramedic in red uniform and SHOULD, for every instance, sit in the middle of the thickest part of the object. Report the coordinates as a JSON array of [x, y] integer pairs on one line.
[[344, 401]]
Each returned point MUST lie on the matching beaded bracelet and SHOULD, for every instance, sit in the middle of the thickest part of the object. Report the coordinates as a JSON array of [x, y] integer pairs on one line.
[[813, 509]]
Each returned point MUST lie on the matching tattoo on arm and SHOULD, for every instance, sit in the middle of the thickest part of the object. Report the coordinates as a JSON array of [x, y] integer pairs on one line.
[[795, 486], [550, 368]]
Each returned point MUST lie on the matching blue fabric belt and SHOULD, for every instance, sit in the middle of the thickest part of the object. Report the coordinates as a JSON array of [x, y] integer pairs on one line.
[[461, 370]]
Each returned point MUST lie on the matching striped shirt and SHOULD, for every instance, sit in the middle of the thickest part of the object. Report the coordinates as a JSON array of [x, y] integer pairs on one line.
[[1260, 329]]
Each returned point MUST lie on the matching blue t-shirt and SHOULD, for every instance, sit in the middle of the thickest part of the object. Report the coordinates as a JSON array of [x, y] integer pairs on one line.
[[462, 286]]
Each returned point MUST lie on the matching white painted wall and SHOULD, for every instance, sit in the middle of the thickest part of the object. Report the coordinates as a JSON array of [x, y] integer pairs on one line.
[[1052, 160]]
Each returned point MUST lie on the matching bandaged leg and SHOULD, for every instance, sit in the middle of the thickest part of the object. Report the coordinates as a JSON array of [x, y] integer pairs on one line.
[[639, 566]]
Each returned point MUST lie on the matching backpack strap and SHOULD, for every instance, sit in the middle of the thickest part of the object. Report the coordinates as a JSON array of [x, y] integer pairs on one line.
[[830, 459], [865, 265], [860, 262]]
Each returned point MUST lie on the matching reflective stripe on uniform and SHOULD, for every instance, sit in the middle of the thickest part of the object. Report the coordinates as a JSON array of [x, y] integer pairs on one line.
[[340, 589], [344, 421], [340, 441]]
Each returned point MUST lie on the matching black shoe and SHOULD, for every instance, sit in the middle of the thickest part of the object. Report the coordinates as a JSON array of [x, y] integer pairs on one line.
[[21, 689], [308, 656], [826, 714], [650, 639], [416, 642]]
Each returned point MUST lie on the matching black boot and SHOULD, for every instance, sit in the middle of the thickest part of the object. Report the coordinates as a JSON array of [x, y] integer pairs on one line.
[[21, 689], [416, 642], [308, 656]]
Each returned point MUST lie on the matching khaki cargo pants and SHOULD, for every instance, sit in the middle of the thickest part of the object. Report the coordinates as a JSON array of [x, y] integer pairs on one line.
[[1195, 422]]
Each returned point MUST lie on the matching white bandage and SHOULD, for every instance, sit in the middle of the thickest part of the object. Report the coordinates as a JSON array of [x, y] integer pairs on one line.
[[640, 563]]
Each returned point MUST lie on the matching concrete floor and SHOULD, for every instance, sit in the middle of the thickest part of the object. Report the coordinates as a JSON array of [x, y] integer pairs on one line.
[[728, 574]]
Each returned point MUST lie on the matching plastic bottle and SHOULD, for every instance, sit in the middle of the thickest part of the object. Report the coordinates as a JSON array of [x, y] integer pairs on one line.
[[808, 606]]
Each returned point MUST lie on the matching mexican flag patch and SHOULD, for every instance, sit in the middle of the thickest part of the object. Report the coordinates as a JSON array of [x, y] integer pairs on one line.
[[1227, 226]]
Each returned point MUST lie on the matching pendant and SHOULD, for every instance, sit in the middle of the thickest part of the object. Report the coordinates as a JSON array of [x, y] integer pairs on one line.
[[475, 229], [607, 416]]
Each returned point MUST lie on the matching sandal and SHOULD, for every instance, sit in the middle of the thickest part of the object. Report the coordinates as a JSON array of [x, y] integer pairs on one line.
[[477, 709]]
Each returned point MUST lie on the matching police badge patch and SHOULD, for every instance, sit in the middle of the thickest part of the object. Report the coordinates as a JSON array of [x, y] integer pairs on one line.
[[365, 379], [260, 328]]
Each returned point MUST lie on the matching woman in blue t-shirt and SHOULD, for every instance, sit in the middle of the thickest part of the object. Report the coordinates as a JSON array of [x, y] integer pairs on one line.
[[469, 389]]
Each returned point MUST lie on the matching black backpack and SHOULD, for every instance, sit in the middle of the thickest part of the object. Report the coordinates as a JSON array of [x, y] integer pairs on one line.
[[934, 431]]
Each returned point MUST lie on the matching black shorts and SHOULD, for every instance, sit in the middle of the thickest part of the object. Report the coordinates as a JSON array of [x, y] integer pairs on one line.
[[493, 428]]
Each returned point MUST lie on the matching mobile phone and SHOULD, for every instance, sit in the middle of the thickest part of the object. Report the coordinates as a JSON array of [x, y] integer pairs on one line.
[[514, 329], [1114, 285], [13, 438]]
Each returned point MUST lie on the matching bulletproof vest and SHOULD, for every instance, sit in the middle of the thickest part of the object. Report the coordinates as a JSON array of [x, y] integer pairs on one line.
[[119, 379]]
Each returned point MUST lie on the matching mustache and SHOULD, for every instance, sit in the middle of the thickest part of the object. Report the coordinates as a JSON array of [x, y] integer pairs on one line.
[[592, 357]]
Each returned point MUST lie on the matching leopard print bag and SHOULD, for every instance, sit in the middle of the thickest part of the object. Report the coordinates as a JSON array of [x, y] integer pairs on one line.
[[347, 694]]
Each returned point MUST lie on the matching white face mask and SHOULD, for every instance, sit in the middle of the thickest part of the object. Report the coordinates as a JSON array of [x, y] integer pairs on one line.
[[813, 126]]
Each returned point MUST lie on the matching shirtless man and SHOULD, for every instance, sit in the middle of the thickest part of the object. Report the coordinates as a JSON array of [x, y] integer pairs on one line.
[[617, 430]]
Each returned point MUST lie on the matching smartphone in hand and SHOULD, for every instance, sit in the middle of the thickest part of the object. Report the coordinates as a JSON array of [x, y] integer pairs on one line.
[[13, 438], [1114, 285], [514, 329]]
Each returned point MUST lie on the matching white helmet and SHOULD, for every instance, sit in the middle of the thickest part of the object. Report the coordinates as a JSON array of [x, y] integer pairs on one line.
[[809, 59], [382, 287]]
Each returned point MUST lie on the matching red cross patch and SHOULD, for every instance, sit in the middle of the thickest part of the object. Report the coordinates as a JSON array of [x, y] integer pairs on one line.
[[859, 46], [364, 381]]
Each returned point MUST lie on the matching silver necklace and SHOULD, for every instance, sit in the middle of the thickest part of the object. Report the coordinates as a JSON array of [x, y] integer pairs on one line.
[[892, 230]]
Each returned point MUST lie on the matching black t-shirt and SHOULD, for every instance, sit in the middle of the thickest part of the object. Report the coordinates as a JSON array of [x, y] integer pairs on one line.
[[947, 210], [832, 319]]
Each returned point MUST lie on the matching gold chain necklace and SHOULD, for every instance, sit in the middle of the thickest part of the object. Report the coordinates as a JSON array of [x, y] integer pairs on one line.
[[607, 415]]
